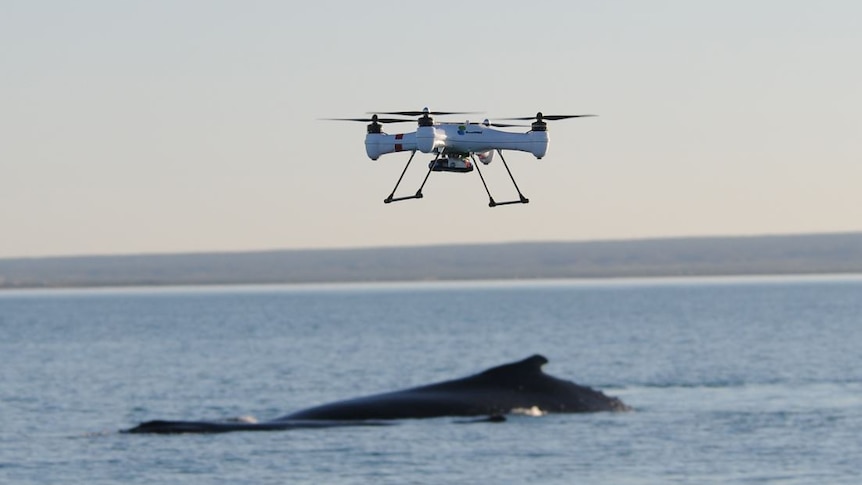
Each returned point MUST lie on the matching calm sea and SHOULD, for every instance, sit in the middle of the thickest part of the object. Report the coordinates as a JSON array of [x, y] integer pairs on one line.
[[733, 381]]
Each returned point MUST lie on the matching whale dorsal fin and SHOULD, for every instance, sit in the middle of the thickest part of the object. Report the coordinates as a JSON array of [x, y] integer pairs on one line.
[[532, 364]]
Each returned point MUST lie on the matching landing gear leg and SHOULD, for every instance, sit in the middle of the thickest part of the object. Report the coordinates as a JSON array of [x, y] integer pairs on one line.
[[523, 200], [418, 194], [491, 201]]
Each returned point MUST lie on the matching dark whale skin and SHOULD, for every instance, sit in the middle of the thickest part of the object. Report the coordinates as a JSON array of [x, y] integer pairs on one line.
[[497, 391]]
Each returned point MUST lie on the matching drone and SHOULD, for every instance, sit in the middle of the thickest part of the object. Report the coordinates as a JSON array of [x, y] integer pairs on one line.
[[456, 146]]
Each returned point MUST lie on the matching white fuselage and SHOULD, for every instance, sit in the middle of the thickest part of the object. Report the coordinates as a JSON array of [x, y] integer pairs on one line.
[[456, 138]]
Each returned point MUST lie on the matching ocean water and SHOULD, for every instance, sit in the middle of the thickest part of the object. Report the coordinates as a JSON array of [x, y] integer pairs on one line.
[[749, 380]]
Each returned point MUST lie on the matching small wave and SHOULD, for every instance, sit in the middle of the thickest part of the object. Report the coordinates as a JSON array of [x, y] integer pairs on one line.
[[717, 384], [531, 411], [732, 383]]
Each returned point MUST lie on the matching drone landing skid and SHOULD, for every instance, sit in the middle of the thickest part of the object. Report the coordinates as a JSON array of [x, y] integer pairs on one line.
[[523, 200], [491, 202], [418, 194]]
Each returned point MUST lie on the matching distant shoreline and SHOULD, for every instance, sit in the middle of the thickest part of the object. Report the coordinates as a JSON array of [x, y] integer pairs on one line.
[[336, 286], [767, 256]]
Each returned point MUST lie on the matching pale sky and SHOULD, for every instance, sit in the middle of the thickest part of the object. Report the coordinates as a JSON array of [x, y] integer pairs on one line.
[[189, 126]]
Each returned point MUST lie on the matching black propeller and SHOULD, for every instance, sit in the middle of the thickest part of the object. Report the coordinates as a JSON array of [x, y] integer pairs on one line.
[[426, 112], [541, 117], [373, 119], [505, 125]]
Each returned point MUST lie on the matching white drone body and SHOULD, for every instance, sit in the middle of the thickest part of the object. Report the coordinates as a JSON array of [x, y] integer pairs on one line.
[[456, 146], [457, 138]]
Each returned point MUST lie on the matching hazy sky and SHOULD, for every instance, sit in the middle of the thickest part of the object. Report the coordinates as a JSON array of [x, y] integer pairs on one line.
[[163, 126]]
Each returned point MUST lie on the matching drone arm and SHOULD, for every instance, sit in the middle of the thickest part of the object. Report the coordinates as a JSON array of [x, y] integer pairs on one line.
[[488, 139], [533, 142], [429, 139], [377, 144]]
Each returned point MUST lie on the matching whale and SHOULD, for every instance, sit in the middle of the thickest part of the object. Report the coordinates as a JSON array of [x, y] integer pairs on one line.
[[517, 387]]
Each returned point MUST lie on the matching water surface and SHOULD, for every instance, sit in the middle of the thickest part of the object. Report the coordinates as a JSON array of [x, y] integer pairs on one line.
[[733, 380]]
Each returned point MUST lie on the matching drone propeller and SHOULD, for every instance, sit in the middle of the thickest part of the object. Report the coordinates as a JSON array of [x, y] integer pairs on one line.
[[373, 119], [426, 112], [505, 125], [541, 117]]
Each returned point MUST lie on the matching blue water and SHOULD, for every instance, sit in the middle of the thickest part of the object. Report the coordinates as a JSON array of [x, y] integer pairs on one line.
[[733, 381]]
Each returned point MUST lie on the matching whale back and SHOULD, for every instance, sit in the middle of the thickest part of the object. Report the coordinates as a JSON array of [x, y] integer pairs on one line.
[[531, 366], [493, 392], [498, 390]]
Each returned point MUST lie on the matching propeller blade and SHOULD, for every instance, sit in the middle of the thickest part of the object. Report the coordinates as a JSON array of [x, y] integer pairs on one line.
[[505, 125], [372, 120], [547, 117], [431, 113], [563, 117]]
